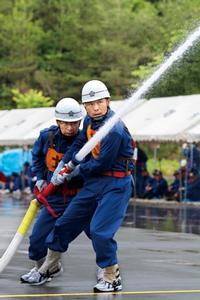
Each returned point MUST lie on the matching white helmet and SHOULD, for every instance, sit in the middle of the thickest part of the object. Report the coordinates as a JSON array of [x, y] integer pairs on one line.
[[94, 90], [68, 110]]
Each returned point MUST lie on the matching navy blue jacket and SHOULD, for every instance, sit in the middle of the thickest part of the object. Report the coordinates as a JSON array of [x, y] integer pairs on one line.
[[193, 157], [61, 144], [116, 145], [193, 190], [159, 189], [175, 186]]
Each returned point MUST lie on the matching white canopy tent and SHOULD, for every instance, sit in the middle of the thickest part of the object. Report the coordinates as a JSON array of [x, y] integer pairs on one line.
[[157, 120], [172, 121], [147, 113], [17, 123]]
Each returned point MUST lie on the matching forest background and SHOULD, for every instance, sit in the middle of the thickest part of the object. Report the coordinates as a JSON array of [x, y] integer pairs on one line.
[[50, 48]]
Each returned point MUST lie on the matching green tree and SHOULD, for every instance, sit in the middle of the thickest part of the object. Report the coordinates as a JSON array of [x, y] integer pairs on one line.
[[31, 98], [178, 18], [57, 45], [133, 25], [19, 37], [70, 47]]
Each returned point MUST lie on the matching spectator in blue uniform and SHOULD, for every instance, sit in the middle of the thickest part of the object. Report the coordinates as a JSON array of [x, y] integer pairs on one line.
[[26, 177], [145, 181], [48, 151], [192, 155], [157, 188], [175, 188], [193, 186], [14, 185], [107, 185], [141, 164]]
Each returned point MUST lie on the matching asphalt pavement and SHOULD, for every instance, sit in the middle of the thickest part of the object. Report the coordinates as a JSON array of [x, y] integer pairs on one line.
[[154, 264]]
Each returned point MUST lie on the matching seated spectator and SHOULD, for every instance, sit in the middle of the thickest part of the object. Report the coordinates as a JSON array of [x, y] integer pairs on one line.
[[193, 186], [26, 178], [175, 189], [157, 188], [14, 184], [145, 180]]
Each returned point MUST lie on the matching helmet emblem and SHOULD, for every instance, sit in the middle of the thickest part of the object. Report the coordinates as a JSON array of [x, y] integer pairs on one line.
[[71, 113], [92, 93]]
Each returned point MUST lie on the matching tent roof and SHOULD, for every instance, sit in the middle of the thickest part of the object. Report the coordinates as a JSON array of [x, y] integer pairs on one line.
[[159, 119], [17, 123], [148, 112], [171, 121], [193, 134]]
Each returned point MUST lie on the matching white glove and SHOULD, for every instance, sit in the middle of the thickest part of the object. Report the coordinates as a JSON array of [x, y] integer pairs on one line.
[[57, 170], [41, 184], [60, 177]]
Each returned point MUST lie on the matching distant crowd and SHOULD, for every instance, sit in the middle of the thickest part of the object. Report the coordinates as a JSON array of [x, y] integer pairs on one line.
[[18, 183], [184, 187], [157, 187], [186, 181]]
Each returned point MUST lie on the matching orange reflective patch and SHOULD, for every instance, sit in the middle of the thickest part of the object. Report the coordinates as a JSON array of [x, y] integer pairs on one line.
[[52, 159], [90, 133]]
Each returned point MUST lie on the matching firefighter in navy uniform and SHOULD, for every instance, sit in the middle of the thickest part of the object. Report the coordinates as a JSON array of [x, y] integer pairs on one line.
[[107, 183], [48, 151]]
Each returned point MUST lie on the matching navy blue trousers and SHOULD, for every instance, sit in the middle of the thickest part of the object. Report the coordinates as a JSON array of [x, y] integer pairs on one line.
[[102, 202], [43, 226]]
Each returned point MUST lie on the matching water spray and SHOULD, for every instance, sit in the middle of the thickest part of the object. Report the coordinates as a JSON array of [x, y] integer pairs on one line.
[[131, 102], [129, 105]]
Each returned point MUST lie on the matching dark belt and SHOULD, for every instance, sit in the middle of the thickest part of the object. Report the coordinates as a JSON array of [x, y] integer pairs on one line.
[[119, 174]]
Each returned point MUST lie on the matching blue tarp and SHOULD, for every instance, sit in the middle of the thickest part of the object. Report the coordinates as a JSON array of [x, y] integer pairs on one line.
[[12, 160]]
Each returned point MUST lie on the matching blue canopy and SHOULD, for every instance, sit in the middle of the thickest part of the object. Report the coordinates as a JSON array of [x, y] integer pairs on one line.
[[13, 160]]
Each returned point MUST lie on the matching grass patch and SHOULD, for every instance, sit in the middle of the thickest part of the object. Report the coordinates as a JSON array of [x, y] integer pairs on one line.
[[167, 166]]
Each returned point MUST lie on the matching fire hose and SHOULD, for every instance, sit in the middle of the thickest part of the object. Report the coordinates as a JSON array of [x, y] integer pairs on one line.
[[27, 221], [19, 235]]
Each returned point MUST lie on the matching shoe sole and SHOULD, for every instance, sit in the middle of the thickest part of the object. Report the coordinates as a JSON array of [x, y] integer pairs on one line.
[[24, 281], [52, 275], [111, 291], [40, 283]]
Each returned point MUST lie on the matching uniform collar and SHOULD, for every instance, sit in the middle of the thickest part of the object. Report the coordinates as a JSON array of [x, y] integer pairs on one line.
[[97, 123]]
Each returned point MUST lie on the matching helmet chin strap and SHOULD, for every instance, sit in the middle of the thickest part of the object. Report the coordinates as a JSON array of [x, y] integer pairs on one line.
[[100, 118]]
